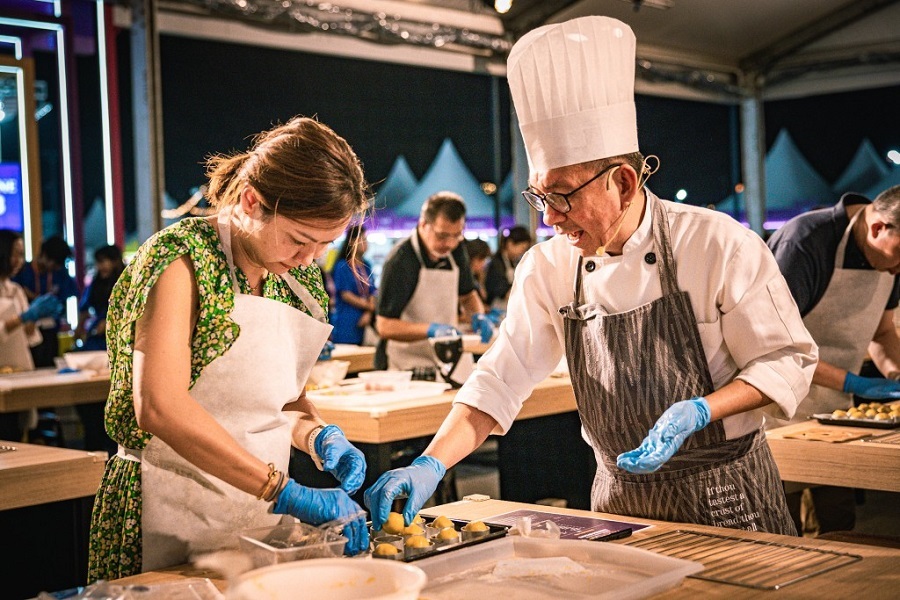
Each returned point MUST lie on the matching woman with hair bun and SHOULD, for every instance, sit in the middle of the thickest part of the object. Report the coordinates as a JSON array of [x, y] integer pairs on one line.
[[212, 329]]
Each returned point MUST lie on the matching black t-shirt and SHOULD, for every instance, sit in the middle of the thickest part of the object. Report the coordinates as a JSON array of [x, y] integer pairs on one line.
[[805, 247], [496, 285], [400, 276]]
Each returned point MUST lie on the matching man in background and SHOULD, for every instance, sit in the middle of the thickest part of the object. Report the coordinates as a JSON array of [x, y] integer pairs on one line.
[[426, 279], [841, 265]]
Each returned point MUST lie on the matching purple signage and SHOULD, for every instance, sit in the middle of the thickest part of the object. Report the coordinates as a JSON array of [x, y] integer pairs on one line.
[[11, 211]]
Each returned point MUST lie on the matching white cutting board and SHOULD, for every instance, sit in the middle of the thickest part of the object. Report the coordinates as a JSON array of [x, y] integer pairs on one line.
[[355, 395]]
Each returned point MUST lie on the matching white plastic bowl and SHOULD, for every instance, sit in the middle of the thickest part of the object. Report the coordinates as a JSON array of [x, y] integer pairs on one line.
[[331, 578], [388, 381], [94, 360], [326, 373]]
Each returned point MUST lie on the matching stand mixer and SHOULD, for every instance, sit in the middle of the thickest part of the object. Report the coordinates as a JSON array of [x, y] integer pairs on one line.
[[454, 365]]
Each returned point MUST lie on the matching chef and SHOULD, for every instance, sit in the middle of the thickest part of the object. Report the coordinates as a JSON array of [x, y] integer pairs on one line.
[[424, 281], [674, 320], [841, 264]]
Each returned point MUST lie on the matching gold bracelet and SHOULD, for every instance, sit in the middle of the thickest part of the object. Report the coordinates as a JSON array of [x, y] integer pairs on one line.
[[277, 489], [273, 474]]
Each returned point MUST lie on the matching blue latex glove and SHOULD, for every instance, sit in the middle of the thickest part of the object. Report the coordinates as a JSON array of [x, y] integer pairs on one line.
[[441, 330], [47, 305], [327, 349], [872, 388], [496, 315], [341, 458], [483, 326], [668, 434], [316, 506], [417, 481]]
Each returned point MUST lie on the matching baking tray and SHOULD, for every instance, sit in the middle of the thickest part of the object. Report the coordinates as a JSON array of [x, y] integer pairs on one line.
[[748, 563], [528, 568], [826, 419], [494, 532]]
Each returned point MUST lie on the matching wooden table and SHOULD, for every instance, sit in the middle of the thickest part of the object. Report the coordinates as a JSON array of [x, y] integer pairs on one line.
[[858, 463], [47, 388], [875, 576], [46, 496], [361, 358], [33, 474]]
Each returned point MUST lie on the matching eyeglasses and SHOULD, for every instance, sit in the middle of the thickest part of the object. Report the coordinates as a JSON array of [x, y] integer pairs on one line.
[[559, 202], [442, 236]]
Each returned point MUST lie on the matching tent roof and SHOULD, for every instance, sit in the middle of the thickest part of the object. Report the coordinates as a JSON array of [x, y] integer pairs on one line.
[[865, 169], [448, 172], [399, 184], [791, 182]]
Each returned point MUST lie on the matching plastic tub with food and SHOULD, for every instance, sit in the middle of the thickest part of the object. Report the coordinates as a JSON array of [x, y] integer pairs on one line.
[[388, 381]]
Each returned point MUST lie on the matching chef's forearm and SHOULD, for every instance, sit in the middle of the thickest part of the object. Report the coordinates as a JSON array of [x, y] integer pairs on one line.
[[735, 398], [884, 349], [464, 430]]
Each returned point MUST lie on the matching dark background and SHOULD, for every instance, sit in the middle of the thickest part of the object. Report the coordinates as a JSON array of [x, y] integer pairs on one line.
[[217, 95]]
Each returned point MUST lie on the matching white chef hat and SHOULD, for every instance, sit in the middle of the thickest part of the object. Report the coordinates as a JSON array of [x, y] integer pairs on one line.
[[572, 86]]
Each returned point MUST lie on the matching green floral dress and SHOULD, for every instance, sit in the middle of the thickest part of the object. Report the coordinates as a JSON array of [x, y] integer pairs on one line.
[[115, 544]]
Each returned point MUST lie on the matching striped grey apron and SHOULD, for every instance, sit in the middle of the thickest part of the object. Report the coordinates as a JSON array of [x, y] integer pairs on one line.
[[627, 369]]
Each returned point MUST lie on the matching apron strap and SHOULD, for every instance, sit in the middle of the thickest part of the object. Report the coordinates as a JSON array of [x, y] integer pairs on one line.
[[841, 255], [224, 219], [668, 272], [414, 239]]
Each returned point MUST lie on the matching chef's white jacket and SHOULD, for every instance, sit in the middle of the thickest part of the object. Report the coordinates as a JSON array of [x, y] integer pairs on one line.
[[749, 323]]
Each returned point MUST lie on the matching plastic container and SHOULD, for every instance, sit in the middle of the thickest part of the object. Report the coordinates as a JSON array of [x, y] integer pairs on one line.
[[386, 381], [519, 567], [288, 542], [92, 360], [331, 578], [326, 373]]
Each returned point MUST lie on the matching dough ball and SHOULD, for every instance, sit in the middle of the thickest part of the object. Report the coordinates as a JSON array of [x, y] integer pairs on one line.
[[394, 523]]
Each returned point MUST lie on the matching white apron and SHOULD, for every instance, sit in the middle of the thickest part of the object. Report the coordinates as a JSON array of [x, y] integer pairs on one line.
[[187, 511], [435, 300], [843, 323]]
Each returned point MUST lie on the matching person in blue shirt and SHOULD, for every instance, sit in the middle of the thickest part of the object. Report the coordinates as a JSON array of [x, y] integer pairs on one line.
[[47, 274], [354, 297]]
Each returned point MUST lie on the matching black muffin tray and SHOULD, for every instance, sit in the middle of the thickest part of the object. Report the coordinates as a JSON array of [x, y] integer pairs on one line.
[[494, 532], [826, 419]]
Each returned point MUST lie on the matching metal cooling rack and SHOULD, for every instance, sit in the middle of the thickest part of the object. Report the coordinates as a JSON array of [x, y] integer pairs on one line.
[[890, 438], [749, 563]]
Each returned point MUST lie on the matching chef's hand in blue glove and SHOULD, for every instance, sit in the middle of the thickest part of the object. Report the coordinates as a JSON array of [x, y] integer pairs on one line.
[[417, 481], [872, 388], [327, 349], [483, 326], [341, 458], [47, 305], [671, 430], [316, 506], [441, 330]]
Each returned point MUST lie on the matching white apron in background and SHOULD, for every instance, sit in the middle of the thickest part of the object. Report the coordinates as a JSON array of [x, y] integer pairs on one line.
[[843, 323], [435, 300], [510, 272], [187, 511]]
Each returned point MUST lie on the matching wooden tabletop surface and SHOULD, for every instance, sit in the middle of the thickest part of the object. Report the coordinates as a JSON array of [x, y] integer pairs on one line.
[[871, 463], [875, 576], [417, 418], [47, 388], [34, 474]]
